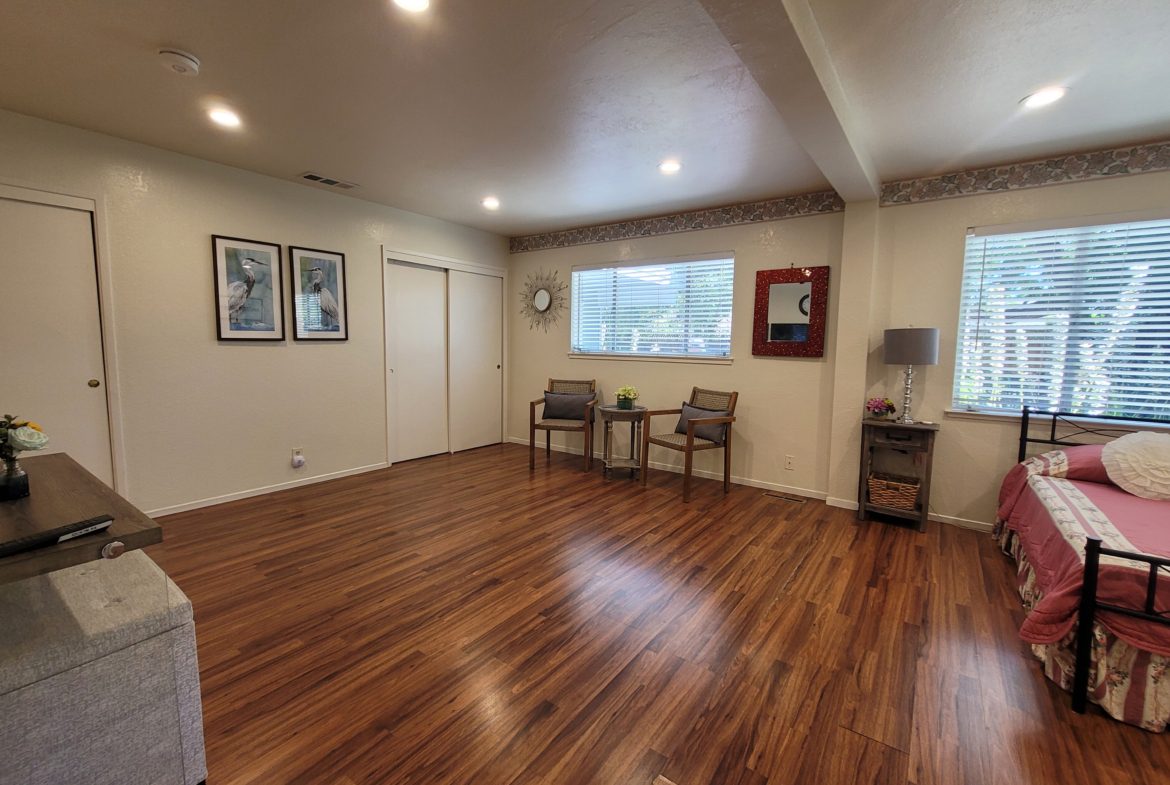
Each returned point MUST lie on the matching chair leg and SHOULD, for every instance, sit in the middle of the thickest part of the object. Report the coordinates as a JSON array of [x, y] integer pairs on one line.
[[644, 458], [587, 457], [548, 446], [687, 477], [727, 463], [531, 447]]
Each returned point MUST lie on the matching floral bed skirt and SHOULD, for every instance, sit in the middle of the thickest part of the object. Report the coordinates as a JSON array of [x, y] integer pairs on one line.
[[1131, 685]]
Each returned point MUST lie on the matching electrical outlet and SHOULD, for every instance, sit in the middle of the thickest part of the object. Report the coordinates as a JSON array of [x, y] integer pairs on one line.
[[298, 457], [298, 452], [788, 459]]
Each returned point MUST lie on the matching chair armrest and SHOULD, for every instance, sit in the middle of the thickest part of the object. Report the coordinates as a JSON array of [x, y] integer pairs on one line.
[[710, 421], [697, 421], [532, 410], [646, 415], [589, 410]]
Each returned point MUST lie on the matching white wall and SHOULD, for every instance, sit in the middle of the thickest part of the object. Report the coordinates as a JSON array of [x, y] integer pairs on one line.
[[787, 406], [204, 419], [784, 403], [921, 252]]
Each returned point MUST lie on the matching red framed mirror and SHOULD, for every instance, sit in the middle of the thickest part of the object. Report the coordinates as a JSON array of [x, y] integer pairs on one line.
[[790, 312]]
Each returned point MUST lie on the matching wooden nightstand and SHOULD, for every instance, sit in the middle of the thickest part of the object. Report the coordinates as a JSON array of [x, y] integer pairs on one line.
[[903, 451]]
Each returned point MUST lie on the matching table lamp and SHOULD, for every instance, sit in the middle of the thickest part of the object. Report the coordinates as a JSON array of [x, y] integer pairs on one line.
[[910, 346]]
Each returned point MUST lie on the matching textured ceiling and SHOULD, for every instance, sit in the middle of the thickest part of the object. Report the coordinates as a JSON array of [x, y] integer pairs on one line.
[[561, 108], [564, 108], [935, 86]]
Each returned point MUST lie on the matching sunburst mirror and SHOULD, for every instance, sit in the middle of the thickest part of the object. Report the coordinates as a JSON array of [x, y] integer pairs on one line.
[[542, 299]]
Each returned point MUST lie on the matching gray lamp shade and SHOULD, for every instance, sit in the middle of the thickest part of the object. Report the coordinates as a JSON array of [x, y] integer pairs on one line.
[[912, 346]]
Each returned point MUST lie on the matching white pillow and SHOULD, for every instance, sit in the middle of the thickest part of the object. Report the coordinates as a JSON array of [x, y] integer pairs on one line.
[[1140, 463]]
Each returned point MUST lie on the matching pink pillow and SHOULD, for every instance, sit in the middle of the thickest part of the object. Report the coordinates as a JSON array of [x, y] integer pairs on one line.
[[1079, 462]]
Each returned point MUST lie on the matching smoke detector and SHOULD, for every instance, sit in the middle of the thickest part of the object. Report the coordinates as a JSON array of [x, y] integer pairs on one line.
[[178, 61]]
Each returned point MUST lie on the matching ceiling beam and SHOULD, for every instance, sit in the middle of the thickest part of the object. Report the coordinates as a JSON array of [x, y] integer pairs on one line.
[[782, 47]]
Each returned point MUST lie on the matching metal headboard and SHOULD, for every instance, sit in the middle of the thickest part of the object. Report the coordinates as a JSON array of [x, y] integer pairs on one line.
[[1078, 425]]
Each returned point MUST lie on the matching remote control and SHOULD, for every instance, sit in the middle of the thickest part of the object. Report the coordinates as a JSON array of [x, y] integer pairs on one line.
[[54, 536]]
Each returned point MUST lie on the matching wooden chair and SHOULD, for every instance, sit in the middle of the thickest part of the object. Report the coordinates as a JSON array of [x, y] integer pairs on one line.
[[574, 386], [688, 443]]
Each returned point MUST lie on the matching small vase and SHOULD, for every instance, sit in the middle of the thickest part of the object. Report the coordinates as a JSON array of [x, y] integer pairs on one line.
[[625, 403], [877, 416], [13, 480]]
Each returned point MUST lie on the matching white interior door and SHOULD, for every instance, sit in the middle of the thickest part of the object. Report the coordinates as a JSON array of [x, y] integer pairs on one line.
[[53, 365], [416, 361], [476, 352]]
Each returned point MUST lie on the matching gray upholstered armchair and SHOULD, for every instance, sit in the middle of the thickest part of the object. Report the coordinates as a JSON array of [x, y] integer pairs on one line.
[[568, 406], [704, 424]]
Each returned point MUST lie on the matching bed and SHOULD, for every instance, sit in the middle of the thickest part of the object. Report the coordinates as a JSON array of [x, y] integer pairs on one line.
[[1093, 570]]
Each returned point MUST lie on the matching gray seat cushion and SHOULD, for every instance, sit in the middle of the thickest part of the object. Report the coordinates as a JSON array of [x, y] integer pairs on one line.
[[566, 406], [55, 622], [711, 433]]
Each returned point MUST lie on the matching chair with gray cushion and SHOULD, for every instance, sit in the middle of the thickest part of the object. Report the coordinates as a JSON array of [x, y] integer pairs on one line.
[[703, 424], [568, 406]]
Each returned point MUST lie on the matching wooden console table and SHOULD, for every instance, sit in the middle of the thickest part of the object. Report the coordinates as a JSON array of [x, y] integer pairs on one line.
[[64, 492]]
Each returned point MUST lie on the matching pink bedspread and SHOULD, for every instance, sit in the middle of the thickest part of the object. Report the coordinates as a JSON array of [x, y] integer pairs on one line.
[[1051, 515]]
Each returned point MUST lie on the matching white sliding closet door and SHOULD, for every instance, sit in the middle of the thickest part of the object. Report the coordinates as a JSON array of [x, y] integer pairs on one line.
[[476, 352], [416, 354], [51, 319]]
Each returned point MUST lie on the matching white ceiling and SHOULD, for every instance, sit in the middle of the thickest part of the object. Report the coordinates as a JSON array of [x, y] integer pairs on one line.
[[563, 108], [935, 84]]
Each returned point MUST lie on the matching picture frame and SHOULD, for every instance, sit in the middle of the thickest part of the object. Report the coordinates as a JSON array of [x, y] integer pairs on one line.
[[249, 289], [318, 294], [790, 311]]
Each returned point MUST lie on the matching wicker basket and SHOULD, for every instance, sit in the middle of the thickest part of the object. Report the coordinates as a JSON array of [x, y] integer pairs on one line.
[[890, 490]]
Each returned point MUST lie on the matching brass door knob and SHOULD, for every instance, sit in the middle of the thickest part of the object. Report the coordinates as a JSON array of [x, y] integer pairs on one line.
[[94, 383]]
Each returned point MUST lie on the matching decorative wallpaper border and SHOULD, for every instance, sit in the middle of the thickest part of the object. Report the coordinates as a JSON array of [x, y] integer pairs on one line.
[[694, 220], [1138, 159]]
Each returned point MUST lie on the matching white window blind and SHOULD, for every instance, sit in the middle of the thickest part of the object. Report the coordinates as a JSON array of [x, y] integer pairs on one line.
[[1070, 319], [672, 309]]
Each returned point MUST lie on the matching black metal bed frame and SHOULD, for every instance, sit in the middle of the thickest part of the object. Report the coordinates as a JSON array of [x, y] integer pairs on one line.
[[1086, 613]]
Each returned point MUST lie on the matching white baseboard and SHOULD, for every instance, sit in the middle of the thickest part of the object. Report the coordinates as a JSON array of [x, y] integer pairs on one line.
[[231, 497], [963, 523], [832, 501], [669, 467], [845, 504]]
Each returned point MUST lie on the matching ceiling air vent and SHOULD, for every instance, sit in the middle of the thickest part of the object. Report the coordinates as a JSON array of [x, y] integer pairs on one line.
[[312, 177]]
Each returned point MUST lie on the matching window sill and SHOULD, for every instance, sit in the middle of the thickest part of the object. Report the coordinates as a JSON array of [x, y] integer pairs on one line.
[[650, 358], [963, 414]]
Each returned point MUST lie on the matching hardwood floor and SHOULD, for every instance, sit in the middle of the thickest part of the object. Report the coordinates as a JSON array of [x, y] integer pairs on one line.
[[459, 619]]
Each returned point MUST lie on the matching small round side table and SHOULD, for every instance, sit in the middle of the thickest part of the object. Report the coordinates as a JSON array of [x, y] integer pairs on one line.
[[611, 414]]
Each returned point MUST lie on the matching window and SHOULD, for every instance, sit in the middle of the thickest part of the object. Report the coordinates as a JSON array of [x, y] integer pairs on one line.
[[1073, 319], [668, 309]]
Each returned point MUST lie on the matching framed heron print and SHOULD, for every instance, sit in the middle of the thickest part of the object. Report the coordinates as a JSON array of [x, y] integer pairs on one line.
[[318, 287], [249, 289]]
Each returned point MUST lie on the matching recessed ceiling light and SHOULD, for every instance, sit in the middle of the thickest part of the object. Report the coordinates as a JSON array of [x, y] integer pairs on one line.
[[414, 6], [489, 202], [225, 117], [670, 166], [1049, 95]]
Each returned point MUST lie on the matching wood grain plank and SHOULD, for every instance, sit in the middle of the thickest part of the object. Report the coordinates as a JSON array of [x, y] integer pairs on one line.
[[463, 619]]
